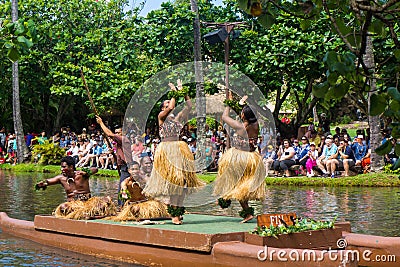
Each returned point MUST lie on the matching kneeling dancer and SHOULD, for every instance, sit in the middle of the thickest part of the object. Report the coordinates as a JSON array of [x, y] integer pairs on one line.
[[136, 205], [80, 204]]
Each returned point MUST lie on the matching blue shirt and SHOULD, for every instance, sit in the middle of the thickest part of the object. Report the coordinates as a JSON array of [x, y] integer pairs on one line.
[[359, 151], [329, 151]]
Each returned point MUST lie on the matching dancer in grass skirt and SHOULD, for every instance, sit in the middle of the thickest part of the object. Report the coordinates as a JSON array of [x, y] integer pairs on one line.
[[136, 205], [173, 175], [81, 205], [241, 172]]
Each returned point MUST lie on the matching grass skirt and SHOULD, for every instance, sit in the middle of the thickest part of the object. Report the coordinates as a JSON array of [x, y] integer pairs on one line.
[[173, 171], [133, 211], [84, 210], [241, 176]]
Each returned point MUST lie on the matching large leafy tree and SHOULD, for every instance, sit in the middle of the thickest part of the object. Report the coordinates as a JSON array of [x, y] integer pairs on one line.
[[97, 37], [13, 39], [370, 31]]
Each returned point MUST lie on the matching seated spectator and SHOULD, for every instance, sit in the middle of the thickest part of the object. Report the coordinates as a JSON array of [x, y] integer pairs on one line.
[[286, 158], [349, 161], [106, 157], [93, 154], [311, 159], [321, 145], [63, 142], [391, 157], [328, 153], [366, 162], [303, 154], [73, 151], [297, 150], [269, 158], [359, 149], [344, 152]]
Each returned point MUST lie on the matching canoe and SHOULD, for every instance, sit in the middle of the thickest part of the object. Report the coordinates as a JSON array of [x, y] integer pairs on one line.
[[203, 240]]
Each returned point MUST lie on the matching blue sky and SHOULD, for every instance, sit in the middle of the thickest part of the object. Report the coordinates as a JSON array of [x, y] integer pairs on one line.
[[156, 4]]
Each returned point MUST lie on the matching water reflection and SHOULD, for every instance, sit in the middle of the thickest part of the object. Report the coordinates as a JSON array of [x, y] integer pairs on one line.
[[370, 210]]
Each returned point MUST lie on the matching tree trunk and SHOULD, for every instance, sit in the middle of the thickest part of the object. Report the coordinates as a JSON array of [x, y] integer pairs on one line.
[[22, 150], [200, 95], [375, 138]]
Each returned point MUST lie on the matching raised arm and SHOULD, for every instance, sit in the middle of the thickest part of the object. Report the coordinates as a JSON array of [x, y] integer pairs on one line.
[[107, 131], [238, 126], [167, 109], [183, 115]]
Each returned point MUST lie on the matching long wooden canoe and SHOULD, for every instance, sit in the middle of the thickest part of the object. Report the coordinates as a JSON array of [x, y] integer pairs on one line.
[[203, 240]]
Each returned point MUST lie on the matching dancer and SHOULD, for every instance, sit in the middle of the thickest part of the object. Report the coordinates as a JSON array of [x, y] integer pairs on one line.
[[122, 146], [241, 172], [80, 205], [137, 206], [173, 174], [75, 183]]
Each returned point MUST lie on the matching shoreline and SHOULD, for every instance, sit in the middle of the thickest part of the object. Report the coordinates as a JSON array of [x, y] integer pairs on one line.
[[378, 179]]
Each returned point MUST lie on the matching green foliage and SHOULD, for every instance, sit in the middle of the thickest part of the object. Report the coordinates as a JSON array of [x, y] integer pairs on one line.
[[16, 38], [47, 153], [389, 168], [300, 225], [346, 119]]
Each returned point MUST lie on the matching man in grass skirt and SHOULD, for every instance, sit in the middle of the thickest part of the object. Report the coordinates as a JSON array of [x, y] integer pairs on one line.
[[80, 204]]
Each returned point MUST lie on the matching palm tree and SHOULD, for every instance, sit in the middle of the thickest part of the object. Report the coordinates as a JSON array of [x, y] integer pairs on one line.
[[19, 132]]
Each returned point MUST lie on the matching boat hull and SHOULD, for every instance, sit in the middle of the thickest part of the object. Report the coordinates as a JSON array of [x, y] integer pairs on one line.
[[222, 253]]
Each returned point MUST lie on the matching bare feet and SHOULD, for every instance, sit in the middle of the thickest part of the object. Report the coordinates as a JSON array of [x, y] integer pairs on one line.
[[248, 218], [176, 220]]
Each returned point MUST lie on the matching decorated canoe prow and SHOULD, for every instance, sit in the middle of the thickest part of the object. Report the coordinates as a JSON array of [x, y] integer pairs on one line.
[[203, 240]]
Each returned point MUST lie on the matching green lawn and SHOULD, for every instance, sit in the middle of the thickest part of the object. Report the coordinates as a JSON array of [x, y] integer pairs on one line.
[[370, 179]]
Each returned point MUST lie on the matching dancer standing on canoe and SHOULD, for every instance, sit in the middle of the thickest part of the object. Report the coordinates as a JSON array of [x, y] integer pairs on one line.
[[241, 172], [173, 174]]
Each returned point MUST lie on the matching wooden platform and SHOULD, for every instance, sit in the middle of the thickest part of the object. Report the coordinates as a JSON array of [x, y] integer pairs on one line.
[[198, 232]]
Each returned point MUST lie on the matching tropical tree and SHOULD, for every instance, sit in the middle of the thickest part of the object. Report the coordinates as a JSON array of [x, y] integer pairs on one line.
[[13, 39], [364, 27]]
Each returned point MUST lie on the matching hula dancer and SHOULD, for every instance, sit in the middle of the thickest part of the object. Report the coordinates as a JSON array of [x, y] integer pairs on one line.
[[80, 205], [173, 174], [241, 172], [137, 206]]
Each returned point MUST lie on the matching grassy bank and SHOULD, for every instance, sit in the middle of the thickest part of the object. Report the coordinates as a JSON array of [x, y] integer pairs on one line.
[[371, 179]]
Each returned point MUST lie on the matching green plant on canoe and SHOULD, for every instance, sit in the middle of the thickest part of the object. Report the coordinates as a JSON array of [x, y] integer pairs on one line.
[[300, 225], [47, 154]]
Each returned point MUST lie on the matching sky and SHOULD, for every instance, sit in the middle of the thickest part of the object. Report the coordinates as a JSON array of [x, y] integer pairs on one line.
[[156, 4]]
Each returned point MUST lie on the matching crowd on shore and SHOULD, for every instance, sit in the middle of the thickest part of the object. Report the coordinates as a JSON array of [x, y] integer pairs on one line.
[[316, 153]]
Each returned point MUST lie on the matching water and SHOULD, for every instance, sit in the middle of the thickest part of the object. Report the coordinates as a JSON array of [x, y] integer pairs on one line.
[[370, 210]]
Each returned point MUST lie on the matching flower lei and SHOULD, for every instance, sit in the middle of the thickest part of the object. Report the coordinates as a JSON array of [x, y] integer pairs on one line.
[[224, 203], [88, 172], [245, 212], [124, 195], [179, 93], [176, 211], [233, 104]]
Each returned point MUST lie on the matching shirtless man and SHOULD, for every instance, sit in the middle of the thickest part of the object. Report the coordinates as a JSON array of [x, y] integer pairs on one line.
[[75, 183]]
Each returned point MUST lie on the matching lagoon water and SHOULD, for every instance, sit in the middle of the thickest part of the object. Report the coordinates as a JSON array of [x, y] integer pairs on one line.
[[371, 210]]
